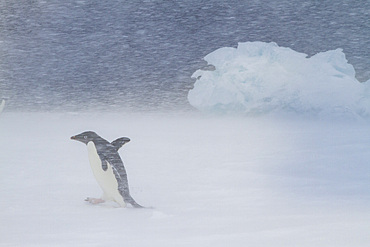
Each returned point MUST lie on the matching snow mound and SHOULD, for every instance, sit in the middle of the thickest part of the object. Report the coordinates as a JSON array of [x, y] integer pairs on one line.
[[260, 78]]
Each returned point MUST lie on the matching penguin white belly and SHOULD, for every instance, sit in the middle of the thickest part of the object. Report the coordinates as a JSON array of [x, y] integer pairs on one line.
[[106, 179]]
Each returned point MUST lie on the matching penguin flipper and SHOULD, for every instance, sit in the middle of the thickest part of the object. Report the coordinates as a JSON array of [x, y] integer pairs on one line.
[[2, 104], [104, 162], [118, 143], [104, 165]]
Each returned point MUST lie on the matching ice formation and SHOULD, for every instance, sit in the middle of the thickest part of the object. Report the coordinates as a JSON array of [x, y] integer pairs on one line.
[[259, 78]]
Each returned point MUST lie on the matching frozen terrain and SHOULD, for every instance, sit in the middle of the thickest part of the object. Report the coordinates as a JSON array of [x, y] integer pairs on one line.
[[260, 78], [213, 181]]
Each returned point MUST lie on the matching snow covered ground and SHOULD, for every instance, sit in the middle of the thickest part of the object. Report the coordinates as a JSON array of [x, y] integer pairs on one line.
[[212, 181]]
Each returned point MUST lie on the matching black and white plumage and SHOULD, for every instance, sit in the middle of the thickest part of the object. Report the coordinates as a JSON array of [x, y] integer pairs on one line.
[[108, 167]]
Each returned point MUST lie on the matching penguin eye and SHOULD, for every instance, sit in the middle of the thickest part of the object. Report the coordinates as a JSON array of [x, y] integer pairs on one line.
[[85, 137]]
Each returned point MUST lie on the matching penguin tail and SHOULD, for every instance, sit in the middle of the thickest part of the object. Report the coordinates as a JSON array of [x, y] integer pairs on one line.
[[134, 203]]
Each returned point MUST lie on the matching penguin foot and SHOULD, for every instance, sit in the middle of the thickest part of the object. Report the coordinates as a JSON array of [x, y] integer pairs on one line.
[[94, 200]]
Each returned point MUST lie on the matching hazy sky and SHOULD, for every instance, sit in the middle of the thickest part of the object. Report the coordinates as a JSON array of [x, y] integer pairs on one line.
[[114, 54]]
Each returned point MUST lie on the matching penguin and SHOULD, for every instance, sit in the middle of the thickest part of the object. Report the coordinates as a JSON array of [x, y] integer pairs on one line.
[[108, 168]]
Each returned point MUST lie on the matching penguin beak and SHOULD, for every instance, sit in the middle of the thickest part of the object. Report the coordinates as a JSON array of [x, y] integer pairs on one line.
[[73, 137]]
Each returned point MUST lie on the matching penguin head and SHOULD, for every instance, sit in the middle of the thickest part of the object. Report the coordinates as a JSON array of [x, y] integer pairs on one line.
[[85, 137]]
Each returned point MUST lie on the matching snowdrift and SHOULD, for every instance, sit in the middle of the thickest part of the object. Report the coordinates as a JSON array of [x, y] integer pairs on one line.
[[260, 78]]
